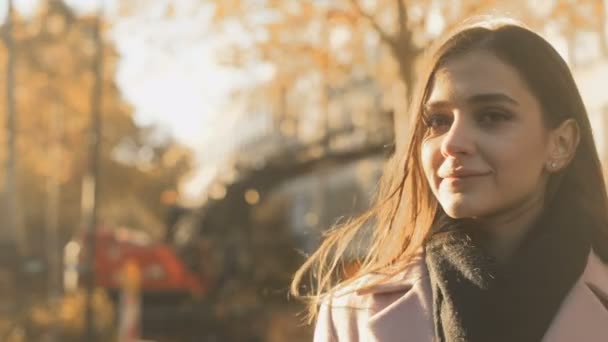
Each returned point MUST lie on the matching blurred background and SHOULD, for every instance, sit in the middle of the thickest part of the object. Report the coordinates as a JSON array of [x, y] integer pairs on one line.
[[166, 165]]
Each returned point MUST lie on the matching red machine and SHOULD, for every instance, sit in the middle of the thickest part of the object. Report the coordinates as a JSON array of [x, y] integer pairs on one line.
[[161, 270], [168, 289]]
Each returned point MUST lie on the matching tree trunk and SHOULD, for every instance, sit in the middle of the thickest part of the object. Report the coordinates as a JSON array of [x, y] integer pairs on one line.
[[13, 231], [405, 53], [91, 196]]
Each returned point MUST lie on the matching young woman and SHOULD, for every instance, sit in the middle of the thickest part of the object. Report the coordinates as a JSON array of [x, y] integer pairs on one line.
[[492, 224]]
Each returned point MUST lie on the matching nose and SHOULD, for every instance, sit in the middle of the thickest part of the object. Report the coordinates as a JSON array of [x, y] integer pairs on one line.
[[458, 140]]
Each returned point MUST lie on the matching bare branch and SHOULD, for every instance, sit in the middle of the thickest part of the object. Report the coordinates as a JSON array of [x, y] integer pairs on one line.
[[383, 34], [402, 17]]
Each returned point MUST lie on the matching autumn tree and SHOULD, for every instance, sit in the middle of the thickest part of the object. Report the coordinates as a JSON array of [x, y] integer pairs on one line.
[[574, 20], [54, 80], [296, 38], [339, 42]]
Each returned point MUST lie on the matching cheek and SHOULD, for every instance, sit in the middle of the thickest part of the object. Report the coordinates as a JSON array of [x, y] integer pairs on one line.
[[519, 158], [517, 155], [431, 160]]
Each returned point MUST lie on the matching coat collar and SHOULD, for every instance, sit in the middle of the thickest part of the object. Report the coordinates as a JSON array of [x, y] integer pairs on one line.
[[401, 282], [582, 315], [596, 275], [409, 317]]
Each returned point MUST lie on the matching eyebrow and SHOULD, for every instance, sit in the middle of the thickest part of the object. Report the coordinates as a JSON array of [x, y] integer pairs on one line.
[[477, 98], [492, 97]]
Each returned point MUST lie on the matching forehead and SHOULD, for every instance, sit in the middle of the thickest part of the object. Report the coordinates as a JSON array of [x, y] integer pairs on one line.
[[477, 72]]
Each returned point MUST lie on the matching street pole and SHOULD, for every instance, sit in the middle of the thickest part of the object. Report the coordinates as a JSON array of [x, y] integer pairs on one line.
[[52, 213], [90, 186], [10, 233], [10, 247]]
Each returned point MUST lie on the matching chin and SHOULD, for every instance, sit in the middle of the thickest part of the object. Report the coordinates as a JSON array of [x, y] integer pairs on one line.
[[460, 210]]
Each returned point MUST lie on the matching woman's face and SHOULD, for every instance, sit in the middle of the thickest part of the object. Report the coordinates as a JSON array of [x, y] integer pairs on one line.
[[486, 146]]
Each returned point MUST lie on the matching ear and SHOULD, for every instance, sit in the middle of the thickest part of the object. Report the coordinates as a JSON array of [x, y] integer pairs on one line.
[[562, 145]]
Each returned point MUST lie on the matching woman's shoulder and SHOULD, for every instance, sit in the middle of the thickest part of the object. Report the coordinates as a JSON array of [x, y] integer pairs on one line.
[[353, 312], [362, 292]]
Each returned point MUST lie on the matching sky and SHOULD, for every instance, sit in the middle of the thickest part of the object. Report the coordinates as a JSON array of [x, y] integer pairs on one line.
[[169, 73]]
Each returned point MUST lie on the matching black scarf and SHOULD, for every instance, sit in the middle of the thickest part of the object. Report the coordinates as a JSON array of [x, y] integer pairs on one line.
[[476, 299]]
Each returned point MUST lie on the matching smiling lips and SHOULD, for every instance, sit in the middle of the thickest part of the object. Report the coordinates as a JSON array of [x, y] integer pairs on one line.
[[463, 174], [454, 171], [460, 174]]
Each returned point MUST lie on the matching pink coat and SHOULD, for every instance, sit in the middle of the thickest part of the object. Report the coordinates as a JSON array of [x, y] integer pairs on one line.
[[401, 310]]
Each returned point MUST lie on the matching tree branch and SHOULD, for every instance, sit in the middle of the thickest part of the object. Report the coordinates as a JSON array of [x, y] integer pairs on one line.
[[402, 17], [383, 34]]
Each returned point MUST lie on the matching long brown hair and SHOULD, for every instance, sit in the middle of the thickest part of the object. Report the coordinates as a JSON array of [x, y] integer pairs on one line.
[[405, 208]]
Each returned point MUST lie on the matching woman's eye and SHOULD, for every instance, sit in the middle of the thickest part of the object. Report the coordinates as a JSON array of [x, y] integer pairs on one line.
[[491, 118], [438, 122]]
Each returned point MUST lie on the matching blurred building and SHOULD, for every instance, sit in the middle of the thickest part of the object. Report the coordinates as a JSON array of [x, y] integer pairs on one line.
[[328, 168]]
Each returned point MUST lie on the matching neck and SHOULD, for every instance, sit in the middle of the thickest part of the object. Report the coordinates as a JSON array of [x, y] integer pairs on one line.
[[503, 232]]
